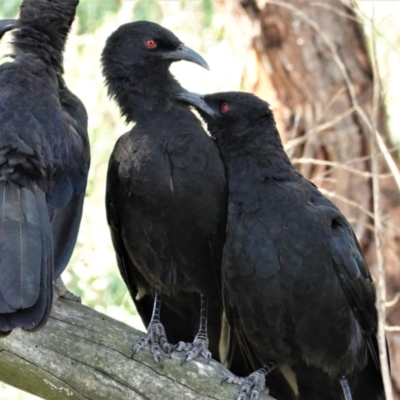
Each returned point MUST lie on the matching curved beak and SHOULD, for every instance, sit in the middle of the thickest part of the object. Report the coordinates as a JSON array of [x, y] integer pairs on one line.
[[197, 101], [187, 54], [7, 25]]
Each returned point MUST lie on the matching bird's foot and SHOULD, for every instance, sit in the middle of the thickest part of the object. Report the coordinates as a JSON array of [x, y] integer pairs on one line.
[[193, 350], [60, 291], [156, 337], [251, 385]]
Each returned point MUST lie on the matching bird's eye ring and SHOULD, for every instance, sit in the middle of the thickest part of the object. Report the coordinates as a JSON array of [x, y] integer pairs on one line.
[[151, 44], [225, 107]]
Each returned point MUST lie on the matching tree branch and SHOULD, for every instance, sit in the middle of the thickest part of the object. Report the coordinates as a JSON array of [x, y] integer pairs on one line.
[[84, 355]]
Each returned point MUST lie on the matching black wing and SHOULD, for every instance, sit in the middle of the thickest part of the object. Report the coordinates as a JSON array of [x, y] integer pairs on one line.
[[26, 264], [68, 192]]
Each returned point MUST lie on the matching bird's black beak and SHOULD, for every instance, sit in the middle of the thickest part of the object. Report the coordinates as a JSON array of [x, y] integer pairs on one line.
[[187, 54], [196, 100], [7, 25]]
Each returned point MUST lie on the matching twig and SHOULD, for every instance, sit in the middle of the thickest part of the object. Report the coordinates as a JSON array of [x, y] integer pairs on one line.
[[393, 302], [318, 129], [338, 165], [392, 328], [352, 93], [381, 293]]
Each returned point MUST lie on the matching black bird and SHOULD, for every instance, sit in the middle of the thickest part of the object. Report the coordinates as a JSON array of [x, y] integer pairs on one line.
[[166, 194], [295, 284], [44, 161]]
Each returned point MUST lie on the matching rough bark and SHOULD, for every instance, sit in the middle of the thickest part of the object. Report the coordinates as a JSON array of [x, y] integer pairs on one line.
[[82, 354], [305, 58]]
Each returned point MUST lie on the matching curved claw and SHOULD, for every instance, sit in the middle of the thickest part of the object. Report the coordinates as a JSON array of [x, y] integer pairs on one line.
[[168, 352], [159, 359], [184, 359], [254, 394], [224, 379], [174, 347], [206, 355]]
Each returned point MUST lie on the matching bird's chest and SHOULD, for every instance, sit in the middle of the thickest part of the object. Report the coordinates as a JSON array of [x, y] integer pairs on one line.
[[164, 175]]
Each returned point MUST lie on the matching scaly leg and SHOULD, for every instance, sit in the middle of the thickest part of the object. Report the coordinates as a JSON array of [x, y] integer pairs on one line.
[[200, 342], [155, 335], [60, 291], [346, 388]]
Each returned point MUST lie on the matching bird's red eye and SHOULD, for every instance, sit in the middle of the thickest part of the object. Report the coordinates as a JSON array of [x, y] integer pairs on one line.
[[151, 44], [225, 107]]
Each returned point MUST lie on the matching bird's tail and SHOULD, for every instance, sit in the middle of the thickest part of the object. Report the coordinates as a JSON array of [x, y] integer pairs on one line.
[[26, 258]]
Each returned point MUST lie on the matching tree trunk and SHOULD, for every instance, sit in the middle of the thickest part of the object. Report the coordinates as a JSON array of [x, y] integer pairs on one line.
[[82, 354], [310, 61]]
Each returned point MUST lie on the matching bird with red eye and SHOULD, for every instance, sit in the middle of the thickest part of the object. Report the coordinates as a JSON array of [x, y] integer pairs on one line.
[[151, 44], [225, 107]]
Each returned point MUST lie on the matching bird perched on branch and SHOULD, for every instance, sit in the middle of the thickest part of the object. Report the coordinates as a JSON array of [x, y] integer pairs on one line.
[[44, 161], [166, 194], [296, 286]]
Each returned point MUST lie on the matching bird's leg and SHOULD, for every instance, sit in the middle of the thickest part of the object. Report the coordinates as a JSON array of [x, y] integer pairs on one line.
[[155, 335], [60, 291], [346, 388], [200, 342], [251, 385]]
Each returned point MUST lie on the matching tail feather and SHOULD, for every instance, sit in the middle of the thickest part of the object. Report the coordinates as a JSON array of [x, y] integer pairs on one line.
[[26, 257], [4, 306], [20, 244], [369, 383]]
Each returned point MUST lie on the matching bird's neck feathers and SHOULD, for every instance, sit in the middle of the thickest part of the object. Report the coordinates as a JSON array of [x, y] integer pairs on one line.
[[258, 156], [140, 93], [43, 28]]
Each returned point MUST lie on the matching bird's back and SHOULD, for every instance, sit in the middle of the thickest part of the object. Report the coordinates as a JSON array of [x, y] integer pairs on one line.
[[282, 237]]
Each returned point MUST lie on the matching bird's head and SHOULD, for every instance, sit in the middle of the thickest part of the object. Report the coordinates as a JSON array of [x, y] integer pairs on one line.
[[230, 115], [144, 45]]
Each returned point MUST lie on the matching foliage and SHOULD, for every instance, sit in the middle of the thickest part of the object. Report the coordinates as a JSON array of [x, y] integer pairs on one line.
[[9, 8], [92, 14], [148, 10]]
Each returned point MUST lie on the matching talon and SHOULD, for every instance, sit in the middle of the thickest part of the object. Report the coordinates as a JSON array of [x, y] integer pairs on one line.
[[184, 359], [160, 360], [154, 337], [253, 384], [224, 379], [254, 395], [174, 347], [207, 355]]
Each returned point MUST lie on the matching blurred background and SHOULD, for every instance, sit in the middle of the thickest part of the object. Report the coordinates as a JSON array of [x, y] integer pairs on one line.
[[226, 33]]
